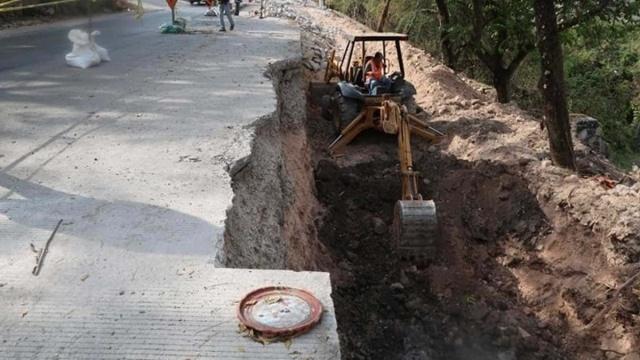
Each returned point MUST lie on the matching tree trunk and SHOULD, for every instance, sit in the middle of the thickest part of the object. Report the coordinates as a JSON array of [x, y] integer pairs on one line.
[[556, 113], [502, 83], [383, 17], [445, 41]]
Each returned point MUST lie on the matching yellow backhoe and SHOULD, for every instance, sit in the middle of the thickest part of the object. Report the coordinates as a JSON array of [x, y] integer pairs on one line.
[[392, 111]]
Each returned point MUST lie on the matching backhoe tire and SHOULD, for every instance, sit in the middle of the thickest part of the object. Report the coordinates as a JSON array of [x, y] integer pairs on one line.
[[347, 110]]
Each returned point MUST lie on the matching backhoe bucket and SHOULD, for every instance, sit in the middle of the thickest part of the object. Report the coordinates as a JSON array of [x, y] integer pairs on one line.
[[415, 228]]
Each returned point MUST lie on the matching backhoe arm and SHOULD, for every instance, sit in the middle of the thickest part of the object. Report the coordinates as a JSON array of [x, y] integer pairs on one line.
[[409, 175]]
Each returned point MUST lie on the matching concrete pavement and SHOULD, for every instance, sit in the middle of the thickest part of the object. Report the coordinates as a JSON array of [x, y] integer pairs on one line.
[[183, 313]]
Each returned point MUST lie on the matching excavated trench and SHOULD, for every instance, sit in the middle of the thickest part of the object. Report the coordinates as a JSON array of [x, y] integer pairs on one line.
[[297, 208]]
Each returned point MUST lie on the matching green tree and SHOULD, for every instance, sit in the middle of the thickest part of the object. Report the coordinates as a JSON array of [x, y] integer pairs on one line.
[[501, 33]]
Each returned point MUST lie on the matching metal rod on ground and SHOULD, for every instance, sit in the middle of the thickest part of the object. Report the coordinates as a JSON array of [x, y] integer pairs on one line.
[[45, 249]]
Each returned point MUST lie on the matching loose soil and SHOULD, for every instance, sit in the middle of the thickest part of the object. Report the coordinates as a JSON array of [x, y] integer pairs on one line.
[[463, 305], [494, 291]]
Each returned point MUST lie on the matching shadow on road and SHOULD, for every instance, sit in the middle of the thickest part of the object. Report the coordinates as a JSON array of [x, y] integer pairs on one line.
[[132, 225]]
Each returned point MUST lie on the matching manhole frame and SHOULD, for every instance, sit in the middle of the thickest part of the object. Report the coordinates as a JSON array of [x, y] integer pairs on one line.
[[266, 331]]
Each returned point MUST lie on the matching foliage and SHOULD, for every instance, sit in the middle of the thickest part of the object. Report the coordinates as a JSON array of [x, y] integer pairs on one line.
[[603, 67], [602, 63], [355, 9]]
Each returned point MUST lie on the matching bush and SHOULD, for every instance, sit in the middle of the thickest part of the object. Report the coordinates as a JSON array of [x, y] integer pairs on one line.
[[603, 78]]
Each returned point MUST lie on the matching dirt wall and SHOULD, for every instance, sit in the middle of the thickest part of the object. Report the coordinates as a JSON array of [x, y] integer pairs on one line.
[[270, 222]]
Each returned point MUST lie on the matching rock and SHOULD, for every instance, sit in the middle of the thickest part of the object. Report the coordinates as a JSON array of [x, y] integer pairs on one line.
[[404, 279], [572, 179], [584, 123], [379, 226], [583, 135], [511, 261], [238, 166], [397, 286], [413, 269], [589, 132], [523, 333]]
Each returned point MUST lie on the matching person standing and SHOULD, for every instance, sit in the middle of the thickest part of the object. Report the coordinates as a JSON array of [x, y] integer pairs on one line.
[[225, 9]]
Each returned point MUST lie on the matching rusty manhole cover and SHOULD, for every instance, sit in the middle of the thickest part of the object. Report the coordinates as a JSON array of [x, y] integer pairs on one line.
[[279, 312]]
